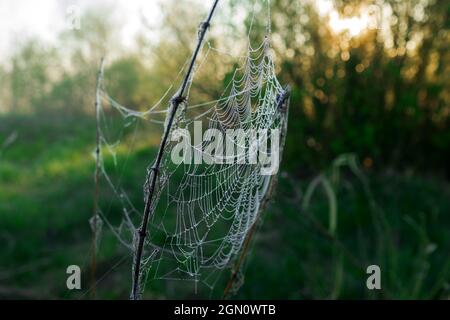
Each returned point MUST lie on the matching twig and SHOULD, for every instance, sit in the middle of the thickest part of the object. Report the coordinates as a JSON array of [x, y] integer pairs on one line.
[[96, 180], [176, 101], [282, 106]]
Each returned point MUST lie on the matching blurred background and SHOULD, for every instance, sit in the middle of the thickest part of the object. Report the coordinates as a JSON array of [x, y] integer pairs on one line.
[[365, 174]]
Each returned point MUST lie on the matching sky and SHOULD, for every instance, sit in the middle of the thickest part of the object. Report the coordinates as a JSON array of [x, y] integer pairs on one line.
[[20, 19]]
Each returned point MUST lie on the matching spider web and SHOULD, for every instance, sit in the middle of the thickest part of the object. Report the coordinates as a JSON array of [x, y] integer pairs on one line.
[[201, 213]]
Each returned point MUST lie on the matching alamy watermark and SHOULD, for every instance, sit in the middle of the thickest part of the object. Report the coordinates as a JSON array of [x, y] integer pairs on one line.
[[231, 146], [373, 281], [74, 279]]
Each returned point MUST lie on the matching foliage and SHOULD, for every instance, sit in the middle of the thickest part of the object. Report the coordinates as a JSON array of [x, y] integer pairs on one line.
[[381, 93]]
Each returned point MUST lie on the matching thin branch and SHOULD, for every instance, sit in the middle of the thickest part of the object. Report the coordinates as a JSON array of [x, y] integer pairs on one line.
[[176, 101], [96, 180]]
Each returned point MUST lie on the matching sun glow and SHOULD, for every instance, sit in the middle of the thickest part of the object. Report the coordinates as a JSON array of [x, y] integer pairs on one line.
[[354, 25]]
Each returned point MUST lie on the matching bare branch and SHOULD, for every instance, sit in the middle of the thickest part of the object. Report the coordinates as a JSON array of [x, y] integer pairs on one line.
[[176, 101]]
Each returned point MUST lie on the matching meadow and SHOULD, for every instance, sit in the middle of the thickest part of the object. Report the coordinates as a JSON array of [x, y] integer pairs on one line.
[[396, 221]]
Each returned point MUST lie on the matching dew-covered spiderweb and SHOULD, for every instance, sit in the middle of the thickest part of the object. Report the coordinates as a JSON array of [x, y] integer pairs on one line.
[[201, 212]]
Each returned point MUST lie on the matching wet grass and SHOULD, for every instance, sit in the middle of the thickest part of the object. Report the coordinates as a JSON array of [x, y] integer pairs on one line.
[[46, 191]]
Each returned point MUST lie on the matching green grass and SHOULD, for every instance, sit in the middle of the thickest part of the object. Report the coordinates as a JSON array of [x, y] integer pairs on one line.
[[397, 221], [404, 232]]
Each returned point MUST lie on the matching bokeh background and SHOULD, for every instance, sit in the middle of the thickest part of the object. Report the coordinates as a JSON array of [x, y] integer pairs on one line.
[[365, 175]]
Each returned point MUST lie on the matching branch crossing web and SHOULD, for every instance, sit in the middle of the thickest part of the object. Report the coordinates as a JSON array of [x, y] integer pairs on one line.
[[203, 212]]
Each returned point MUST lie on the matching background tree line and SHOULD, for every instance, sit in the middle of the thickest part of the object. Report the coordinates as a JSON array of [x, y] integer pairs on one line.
[[382, 93]]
